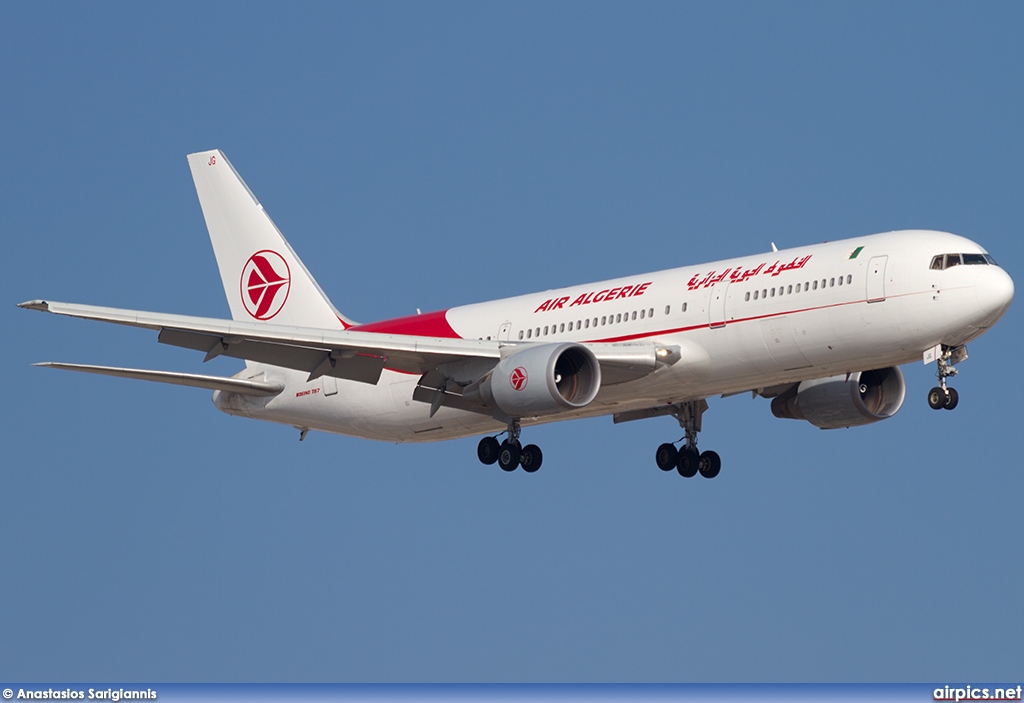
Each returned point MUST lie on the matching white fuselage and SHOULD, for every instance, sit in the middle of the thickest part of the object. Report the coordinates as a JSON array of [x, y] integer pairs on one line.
[[741, 324]]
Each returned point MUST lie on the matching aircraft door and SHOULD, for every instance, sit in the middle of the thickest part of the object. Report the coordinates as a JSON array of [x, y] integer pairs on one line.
[[716, 310], [876, 279], [503, 333]]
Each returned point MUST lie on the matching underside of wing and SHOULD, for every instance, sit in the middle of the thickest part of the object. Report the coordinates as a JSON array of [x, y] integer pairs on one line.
[[242, 386]]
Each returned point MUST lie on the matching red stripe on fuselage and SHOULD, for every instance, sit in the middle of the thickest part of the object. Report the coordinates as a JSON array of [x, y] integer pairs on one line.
[[429, 324]]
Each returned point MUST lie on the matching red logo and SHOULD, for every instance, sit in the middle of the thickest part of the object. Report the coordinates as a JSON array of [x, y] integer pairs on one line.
[[518, 378], [265, 283]]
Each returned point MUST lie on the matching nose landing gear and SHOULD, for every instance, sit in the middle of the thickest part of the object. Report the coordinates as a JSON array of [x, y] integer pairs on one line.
[[688, 461], [942, 397]]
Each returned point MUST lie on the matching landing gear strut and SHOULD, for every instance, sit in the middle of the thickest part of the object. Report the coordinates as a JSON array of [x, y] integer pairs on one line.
[[941, 396], [687, 461], [510, 454]]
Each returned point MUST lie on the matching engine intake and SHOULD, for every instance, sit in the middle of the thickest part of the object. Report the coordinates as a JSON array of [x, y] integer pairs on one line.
[[539, 380], [846, 400]]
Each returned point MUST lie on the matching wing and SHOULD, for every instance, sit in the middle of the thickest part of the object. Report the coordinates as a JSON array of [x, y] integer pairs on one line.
[[356, 356]]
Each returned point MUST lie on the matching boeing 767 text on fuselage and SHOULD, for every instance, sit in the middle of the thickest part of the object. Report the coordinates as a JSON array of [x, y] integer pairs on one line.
[[821, 330]]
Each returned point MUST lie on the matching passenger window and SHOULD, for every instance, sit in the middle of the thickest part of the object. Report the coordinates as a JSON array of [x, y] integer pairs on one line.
[[529, 334], [520, 334], [789, 290], [650, 313], [746, 297], [849, 278], [642, 314], [755, 295], [684, 307], [831, 283], [562, 327], [773, 292], [545, 330], [952, 260], [815, 285], [840, 280], [603, 319], [618, 318], [764, 293], [586, 323], [570, 327], [667, 309], [634, 314]]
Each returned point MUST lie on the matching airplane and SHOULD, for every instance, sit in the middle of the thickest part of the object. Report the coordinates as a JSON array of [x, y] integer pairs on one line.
[[821, 330]]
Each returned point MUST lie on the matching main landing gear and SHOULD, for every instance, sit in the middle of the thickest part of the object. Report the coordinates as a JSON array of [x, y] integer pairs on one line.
[[687, 460], [942, 397], [510, 453]]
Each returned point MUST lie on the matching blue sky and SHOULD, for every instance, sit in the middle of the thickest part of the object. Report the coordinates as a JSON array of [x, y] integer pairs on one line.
[[425, 155]]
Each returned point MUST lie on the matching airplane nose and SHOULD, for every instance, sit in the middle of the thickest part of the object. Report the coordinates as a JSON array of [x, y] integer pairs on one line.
[[994, 289]]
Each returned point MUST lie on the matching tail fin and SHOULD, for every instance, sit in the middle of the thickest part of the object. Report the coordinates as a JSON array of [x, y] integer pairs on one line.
[[263, 278]]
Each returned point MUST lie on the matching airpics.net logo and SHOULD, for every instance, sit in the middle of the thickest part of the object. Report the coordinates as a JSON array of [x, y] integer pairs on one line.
[[977, 693], [265, 284]]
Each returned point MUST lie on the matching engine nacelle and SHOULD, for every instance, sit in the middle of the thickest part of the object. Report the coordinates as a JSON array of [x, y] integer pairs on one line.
[[539, 380], [846, 400]]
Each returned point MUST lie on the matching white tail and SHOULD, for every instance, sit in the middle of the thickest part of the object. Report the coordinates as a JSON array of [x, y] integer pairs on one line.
[[263, 278]]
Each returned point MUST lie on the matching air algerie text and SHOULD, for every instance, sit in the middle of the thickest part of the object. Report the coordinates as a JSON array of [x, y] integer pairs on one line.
[[600, 296]]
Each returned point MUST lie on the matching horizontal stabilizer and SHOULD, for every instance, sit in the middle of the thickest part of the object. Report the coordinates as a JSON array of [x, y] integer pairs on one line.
[[216, 383]]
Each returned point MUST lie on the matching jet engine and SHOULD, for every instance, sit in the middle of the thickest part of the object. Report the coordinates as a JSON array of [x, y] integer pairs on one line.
[[539, 380], [846, 400]]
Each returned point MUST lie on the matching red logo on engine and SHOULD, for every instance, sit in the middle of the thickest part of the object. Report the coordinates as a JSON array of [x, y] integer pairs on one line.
[[266, 281], [518, 378]]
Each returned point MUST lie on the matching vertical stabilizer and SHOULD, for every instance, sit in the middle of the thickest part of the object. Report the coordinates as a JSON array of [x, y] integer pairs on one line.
[[263, 278]]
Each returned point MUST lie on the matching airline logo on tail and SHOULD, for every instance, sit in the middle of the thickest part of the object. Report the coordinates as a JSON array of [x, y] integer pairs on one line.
[[265, 283]]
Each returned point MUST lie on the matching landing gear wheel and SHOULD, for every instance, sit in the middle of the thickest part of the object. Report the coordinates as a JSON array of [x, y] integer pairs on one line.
[[709, 464], [937, 398], [508, 455], [688, 463], [487, 450], [952, 398], [530, 458], [667, 457]]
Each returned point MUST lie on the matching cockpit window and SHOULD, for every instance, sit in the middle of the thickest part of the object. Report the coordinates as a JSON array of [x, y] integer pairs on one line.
[[945, 261]]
